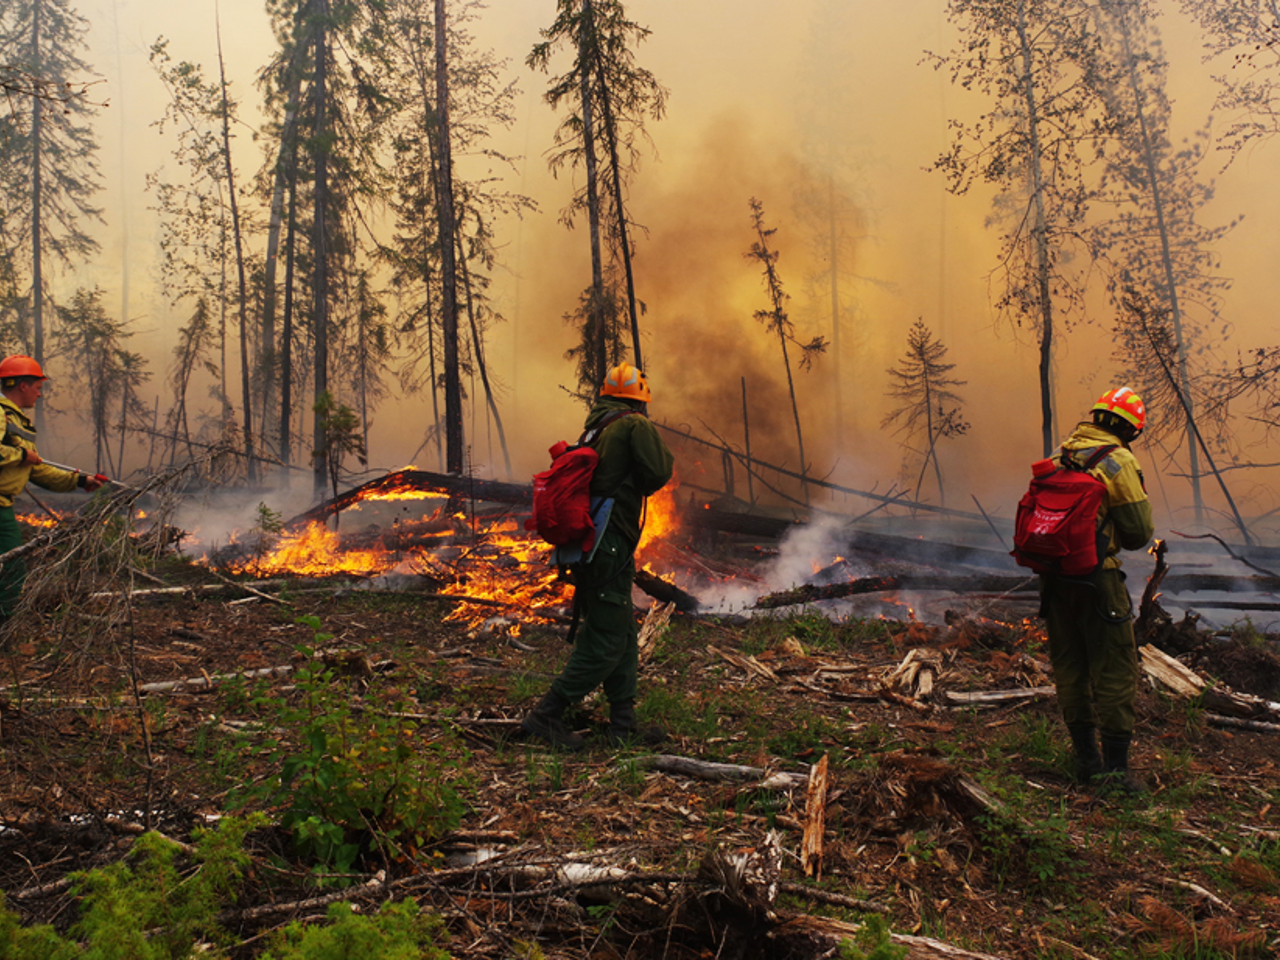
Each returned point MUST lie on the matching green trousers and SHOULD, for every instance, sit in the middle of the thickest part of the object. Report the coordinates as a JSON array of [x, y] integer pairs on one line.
[[15, 571], [1091, 646], [605, 650]]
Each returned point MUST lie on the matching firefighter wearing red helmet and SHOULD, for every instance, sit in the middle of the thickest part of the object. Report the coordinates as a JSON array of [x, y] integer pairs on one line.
[[634, 464], [1089, 619], [21, 383]]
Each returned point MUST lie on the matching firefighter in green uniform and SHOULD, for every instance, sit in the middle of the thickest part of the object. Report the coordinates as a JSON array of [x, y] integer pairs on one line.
[[634, 464], [1089, 619], [21, 383]]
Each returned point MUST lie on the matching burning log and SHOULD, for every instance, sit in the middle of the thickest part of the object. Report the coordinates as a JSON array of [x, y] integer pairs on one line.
[[666, 592], [811, 593], [402, 481]]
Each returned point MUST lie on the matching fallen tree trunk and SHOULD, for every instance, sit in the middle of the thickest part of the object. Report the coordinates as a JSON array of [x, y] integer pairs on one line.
[[1185, 682], [666, 592], [811, 593], [465, 488], [928, 552]]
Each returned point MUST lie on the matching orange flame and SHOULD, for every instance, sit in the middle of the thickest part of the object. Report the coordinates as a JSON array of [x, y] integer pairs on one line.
[[661, 517], [315, 552]]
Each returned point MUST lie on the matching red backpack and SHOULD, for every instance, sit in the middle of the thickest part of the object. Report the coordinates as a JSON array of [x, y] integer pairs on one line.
[[1056, 530], [561, 494]]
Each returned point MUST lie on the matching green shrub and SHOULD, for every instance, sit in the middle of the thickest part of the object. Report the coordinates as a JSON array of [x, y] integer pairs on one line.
[[397, 932], [872, 943], [144, 908], [355, 781]]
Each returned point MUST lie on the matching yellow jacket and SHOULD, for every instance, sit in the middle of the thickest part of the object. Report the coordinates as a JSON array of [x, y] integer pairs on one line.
[[1125, 506], [19, 435]]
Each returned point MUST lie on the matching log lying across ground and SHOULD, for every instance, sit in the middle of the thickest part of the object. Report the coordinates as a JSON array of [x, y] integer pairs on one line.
[[810, 593], [1177, 585], [464, 488], [855, 541]]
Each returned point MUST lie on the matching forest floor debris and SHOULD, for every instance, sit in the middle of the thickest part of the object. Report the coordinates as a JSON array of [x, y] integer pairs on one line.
[[946, 801]]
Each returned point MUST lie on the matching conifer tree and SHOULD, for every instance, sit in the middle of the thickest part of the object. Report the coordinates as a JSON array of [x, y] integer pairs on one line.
[[48, 163], [332, 175], [479, 100], [930, 410], [1245, 35], [102, 370], [609, 98]]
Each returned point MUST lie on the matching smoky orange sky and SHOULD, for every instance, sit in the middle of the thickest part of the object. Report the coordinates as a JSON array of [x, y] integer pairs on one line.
[[753, 86]]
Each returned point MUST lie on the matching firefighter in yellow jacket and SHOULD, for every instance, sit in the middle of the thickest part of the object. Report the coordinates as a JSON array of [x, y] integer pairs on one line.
[[1089, 619], [21, 383]]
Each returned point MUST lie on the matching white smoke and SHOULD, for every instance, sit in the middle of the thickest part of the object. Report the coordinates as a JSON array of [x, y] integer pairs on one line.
[[802, 552]]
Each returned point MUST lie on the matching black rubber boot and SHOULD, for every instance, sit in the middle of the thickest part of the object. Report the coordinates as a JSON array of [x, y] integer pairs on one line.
[[1084, 741], [544, 722], [1116, 777], [624, 731]]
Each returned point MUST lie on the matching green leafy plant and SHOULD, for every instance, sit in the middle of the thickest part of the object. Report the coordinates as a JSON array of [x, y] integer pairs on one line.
[[354, 781]]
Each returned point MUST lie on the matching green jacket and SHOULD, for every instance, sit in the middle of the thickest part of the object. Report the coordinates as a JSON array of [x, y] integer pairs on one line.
[[1125, 506], [634, 464], [19, 435]]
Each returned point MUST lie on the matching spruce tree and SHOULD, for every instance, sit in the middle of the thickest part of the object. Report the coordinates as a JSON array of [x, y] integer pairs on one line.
[[48, 163]]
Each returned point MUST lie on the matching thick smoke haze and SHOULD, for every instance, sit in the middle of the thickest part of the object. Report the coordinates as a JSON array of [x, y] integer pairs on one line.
[[763, 99]]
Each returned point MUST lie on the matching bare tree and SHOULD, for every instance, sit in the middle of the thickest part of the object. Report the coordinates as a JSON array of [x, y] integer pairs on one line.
[[1247, 31], [1037, 62], [776, 320], [1153, 242], [1152, 348]]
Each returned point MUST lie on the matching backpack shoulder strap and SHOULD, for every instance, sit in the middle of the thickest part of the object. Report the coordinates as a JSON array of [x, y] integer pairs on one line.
[[589, 437], [1096, 457]]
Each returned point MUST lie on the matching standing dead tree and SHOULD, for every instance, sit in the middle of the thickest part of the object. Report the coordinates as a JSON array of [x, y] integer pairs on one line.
[[929, 406], [1156, 354], [776, 321]]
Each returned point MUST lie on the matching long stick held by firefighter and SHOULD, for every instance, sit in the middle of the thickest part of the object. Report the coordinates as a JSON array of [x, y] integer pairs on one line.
[[630, 463], [21, 383]]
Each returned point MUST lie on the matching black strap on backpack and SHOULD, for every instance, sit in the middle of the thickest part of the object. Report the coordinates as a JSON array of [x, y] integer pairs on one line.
[[1099, 454]]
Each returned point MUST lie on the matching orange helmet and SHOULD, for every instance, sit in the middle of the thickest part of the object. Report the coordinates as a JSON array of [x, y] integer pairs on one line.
[[626, 381], [20, 366], [1125, 404]]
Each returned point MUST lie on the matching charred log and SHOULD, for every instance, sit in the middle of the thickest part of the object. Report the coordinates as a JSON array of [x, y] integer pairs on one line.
[[811, 593], [666, 592]]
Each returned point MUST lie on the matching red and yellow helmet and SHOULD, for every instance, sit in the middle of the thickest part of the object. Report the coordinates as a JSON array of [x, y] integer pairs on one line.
[[626, 381], [20, 366], [1126, 404]]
